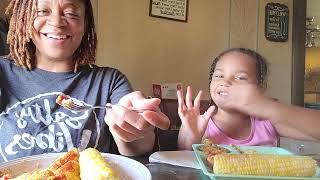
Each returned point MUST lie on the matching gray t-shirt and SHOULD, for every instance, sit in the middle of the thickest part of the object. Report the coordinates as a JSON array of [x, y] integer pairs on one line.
[[32, 123]]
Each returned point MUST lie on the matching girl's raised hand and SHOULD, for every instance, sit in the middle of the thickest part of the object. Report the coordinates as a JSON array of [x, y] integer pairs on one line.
[[193, 123]]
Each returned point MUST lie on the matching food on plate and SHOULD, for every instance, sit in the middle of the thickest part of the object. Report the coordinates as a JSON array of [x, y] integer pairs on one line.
[[94, 166], [65, 167], [64, 101], [5, 175], [37, 175], [207, 142], [214, 150], [247, 151], [210, 149], [264, 165], [88, 164]]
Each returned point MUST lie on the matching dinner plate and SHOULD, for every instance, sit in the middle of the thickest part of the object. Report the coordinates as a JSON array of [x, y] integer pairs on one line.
[[207, 170], [127, 169]]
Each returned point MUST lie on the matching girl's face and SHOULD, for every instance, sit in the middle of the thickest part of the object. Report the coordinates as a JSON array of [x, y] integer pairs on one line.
[[58, 28], [232, 68]]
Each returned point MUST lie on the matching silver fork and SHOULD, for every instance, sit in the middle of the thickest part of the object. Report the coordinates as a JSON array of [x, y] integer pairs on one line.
[[83, 107]]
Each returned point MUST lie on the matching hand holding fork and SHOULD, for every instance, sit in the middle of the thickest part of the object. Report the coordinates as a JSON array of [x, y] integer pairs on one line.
[[131, 122], [68, 103]]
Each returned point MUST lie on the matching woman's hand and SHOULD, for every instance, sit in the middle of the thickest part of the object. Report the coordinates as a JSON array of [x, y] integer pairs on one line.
[[130, 127], [193, 123]]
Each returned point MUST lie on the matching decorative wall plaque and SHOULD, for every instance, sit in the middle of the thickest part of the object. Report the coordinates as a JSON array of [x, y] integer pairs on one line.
[[276, 22], [169, 9]]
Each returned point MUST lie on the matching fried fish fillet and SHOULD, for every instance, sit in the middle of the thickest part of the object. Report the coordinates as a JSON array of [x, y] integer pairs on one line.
[[67, 166]]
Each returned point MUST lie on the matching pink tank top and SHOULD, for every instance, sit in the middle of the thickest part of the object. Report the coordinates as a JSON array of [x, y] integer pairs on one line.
[[262, 134]]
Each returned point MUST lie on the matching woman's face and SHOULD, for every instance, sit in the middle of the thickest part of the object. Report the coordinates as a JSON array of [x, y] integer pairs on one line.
[[58, 28], [232, 68]]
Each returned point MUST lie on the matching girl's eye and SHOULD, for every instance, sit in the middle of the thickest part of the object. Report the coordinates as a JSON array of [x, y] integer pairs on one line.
[[217, 76], [241, 78]]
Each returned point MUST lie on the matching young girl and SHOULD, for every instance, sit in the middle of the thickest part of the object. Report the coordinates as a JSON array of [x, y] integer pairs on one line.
[[225, 124]]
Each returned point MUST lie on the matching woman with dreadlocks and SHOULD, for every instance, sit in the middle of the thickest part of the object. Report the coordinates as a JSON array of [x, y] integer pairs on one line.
[[52, 52], [229, 120]]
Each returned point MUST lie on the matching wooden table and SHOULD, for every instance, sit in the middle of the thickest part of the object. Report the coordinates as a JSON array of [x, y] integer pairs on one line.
[[161, 171]]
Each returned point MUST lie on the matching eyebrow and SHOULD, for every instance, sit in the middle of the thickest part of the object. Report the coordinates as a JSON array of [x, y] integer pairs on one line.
[[217, 69], [72, 4], [244, 72], [66, 3], [43, 2]]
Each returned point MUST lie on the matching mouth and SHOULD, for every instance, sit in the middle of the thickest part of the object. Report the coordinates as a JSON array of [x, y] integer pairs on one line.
[[222, 93], [56, 37]]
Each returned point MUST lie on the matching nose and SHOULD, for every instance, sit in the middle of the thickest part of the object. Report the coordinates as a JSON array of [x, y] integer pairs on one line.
[[56, 20], [225, 83]]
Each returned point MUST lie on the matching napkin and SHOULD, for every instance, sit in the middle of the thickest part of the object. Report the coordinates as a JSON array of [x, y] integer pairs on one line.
[[177, 158]]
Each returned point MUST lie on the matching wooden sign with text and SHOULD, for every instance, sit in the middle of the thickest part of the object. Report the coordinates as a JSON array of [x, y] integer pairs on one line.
[[276, 22]]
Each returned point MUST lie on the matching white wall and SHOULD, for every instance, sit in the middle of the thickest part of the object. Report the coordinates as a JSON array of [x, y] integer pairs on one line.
[[149, 49], [313, 8]]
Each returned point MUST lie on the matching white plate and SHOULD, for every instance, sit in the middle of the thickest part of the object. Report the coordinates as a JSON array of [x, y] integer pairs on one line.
[[127, 169]]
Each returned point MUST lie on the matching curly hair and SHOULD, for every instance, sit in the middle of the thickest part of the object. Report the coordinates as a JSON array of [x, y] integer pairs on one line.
[[261, 65], [22, 49]]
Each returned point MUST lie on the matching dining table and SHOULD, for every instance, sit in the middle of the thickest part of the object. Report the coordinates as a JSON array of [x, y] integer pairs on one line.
[[161, 171], [172, 165], [176, 165]]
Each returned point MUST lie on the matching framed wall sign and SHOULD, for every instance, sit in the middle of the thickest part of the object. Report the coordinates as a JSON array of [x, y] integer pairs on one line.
[[276, 22], [169, 9]]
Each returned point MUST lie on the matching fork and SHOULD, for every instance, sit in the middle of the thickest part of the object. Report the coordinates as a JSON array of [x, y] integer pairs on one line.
[[83, 107]]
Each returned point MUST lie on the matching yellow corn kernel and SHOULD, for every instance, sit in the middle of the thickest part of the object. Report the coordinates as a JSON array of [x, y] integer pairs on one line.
[[94, 166], [264, 165]]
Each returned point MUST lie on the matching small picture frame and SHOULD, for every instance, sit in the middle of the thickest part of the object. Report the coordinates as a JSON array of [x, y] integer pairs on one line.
[[169, 9]]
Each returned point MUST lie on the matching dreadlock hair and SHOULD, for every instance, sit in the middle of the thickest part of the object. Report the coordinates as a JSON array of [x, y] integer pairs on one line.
[[19, 38], [261, 65]]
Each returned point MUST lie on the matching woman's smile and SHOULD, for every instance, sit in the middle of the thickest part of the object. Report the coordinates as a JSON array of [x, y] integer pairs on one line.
[[56, 37], [56, 40]]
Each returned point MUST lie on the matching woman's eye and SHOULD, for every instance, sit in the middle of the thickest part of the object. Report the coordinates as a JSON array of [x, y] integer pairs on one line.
[[42, 12], [71, 14]]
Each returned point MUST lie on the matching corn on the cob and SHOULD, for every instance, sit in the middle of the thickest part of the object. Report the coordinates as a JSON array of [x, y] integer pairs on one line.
[[264, 165], [94, 166]]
